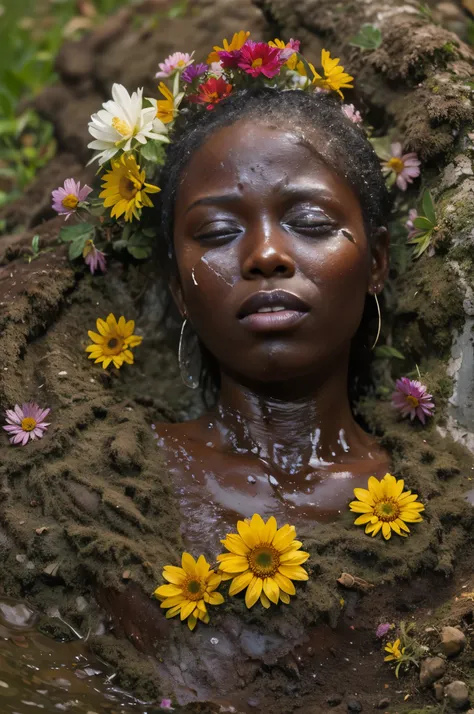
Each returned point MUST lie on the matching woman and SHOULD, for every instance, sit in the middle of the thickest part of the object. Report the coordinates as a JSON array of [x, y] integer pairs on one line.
[[274, 209]]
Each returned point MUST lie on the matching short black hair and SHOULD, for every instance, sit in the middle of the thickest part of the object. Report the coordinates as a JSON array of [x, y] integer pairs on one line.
[[349, 148]]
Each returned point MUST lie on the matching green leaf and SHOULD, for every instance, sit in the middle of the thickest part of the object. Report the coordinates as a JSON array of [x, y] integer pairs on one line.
[[140, 246], [79, 230], [422, 223], [369, 37], [35, 244], [76, 248], [387, 352], [153, 151], [428, 207]]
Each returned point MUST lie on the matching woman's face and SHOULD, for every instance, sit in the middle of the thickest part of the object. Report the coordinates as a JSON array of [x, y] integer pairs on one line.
[[273, 260]]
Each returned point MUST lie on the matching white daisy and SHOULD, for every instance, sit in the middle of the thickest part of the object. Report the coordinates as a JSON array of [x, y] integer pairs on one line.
[[120, 121]]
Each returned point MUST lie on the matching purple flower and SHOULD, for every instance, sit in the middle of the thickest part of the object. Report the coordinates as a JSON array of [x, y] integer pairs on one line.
[[94, 258], [412, 214], [405, 167], [175, 62], [26, 422], [411, 398], [193, 71], [67, 197], [166, 704], [351, 113], [382, 629]]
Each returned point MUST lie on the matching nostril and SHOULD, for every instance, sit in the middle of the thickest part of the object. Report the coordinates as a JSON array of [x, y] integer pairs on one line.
[[281, 269]]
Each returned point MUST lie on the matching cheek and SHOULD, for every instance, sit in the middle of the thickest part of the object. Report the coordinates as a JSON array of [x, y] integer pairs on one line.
[[208, 276]]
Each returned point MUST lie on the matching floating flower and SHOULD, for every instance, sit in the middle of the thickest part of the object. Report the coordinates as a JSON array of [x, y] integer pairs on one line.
[[190, 589], [411, 397], [176, 62], [67, 198], [122, 120], [259, 58], [194, 71], [94, 258], [125, 188], [26, 422], [382, 629], [395, 653], [263, 560], [386, 507], [237, 41], [166, 109], [403, 168], [211, 92], [334, 78], [351, 113], [114, 342]]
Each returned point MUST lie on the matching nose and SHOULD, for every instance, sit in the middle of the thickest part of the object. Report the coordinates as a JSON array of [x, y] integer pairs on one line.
[[266, 256]]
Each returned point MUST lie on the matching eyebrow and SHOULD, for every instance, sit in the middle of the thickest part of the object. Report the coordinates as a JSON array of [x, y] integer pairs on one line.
[[215, 200]]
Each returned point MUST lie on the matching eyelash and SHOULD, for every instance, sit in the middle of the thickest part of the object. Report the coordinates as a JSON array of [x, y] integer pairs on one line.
[[310, 224]]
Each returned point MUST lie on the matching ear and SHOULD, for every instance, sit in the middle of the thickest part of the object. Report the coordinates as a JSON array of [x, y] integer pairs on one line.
[[379, 261], [177, 293]]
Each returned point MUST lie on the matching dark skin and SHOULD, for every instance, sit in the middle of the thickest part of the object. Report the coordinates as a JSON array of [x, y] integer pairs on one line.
[[262, 208]]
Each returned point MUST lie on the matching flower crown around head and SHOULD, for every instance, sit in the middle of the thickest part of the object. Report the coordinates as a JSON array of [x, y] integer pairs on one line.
[[130, 132]]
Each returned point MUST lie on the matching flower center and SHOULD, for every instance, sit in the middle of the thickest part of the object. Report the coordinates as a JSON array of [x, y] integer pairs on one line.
[[412, 401], [123, 128], [396, 164], [264, 561], [70, 201], [257, 62], [28, 424], [387, 511], [113, 346], [180, 63], [127, 188], [193, 589]]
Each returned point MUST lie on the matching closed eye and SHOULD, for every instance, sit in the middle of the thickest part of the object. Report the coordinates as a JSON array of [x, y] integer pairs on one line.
[[218, 232], [310, 223]]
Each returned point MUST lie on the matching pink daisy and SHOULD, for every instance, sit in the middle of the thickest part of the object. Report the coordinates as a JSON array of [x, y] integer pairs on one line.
[[382, 629], [411, 398], [175, 62], [405, 167], [259, 58], [94, 258], [26, 422], [66, 198], [351, 113]]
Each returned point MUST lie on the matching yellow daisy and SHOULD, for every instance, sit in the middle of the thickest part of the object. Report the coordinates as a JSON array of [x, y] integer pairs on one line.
[[114, 343], [125, 188], [394, 651], [386, 506], [167, 108], [292, 61], [264, 560], [238, 39], [334, 76], [190, 588]]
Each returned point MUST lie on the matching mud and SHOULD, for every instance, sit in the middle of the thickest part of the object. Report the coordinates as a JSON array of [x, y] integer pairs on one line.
[[105, 506]]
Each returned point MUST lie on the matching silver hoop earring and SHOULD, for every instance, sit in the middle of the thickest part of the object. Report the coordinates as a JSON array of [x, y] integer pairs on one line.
[[189, 356], [380, 321]]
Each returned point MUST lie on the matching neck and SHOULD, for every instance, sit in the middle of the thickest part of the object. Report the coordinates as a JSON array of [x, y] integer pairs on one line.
[[292, 425]]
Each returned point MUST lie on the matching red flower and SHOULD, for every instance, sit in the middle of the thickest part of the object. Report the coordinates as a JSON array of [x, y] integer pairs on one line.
[[259, 58], [211, 92]]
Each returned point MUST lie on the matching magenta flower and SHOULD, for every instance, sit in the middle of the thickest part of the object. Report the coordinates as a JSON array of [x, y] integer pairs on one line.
[[382, 629], [290, 48], [94, 258], [175, 62], [194, 71], [230, 59], [411, 398], [259, 58], [66, 198], [166, 704], [351, 113], [26, 422], [403, 167]]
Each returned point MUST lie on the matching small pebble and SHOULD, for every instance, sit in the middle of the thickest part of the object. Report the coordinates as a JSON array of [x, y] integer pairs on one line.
[[214, 641], [251, 479], [353, 705]]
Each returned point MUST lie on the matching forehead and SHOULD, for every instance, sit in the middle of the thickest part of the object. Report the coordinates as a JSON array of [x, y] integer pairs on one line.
[[260, 157]]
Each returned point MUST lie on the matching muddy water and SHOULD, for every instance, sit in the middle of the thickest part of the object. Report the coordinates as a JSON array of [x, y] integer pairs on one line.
[[38, 674]]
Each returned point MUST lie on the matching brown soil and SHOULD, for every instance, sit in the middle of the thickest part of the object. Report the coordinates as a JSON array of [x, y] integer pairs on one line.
[[96, 484]]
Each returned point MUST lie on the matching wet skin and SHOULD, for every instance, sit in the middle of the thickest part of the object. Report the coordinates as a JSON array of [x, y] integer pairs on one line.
[[262, 209]]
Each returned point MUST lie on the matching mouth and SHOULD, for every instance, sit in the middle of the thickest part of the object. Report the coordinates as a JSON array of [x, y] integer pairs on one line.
[[272, 310]]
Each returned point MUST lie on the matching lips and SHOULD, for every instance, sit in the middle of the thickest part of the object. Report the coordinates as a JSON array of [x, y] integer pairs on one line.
[[270, 311], [267, 302]]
